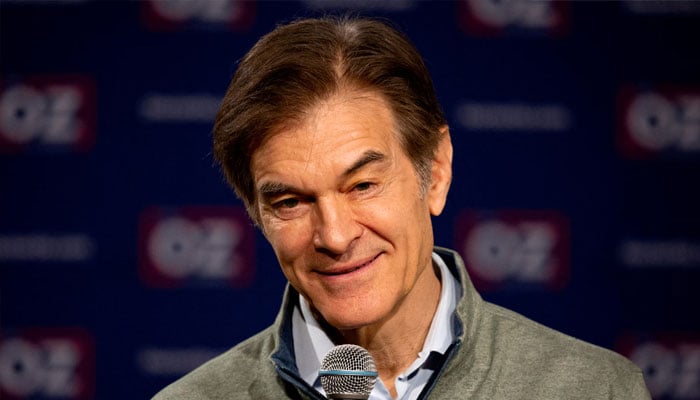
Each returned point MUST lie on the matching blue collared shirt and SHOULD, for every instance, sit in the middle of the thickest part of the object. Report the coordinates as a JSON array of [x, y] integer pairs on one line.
[[311, 343]]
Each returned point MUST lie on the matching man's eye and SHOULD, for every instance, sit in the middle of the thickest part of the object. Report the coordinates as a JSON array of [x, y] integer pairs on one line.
[[362, 186], [287, 203]]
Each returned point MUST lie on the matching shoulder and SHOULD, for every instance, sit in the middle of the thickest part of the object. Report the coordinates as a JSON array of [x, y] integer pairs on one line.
[[535, 353], [227, 374]]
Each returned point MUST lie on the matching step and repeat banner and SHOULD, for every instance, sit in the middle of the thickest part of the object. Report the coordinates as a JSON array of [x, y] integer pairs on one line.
[[125, 260]]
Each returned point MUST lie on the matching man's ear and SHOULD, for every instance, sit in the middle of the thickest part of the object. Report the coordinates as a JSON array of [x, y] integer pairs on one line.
[[441, 173]]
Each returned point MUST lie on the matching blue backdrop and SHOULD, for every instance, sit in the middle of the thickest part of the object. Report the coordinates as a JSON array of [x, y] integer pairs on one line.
[[125, 260]]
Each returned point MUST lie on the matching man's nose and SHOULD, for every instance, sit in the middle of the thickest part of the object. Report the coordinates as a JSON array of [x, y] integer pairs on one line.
[[335, 226]]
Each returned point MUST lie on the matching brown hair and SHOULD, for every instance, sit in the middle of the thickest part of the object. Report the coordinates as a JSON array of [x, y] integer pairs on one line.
[[297, 65]]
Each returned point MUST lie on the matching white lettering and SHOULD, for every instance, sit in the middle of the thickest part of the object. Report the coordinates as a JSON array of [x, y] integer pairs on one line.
[[214, 11], [49, 116], [498, 251], [514, 117], [659, 366], [663, 7], [48, 368], [181, 248], [658, 123], [501, 13], [688, 381], [21, 371], [171, 108], [668, 371], [659, 253], [62, 124], [44, 247], [62, 358], [158, 361], [387, 5], [22, 111]]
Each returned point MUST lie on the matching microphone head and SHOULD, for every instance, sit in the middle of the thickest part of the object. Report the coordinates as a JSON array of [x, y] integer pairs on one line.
[[348, 372]]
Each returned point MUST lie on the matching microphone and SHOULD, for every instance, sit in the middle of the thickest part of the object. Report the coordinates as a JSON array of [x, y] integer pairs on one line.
[[348, 372]]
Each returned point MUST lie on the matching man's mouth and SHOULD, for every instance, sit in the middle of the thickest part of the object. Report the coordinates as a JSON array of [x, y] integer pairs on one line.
[[343, 270]]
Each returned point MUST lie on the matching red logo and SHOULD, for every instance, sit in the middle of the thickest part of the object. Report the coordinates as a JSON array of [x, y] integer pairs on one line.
[[170, 15], [47, 363], [662, 120], [670, 362], [496, 17], [514, 248], [49, 112], [193, 245]]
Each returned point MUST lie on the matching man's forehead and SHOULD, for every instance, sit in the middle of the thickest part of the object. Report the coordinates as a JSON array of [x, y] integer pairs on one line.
[[355, 124], [367, 104]]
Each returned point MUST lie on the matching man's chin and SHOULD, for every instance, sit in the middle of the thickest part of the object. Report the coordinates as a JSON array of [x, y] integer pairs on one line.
[[347, 323], [350, 320]]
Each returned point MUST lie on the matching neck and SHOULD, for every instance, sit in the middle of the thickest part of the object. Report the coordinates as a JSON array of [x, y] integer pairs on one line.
[[396, 341]]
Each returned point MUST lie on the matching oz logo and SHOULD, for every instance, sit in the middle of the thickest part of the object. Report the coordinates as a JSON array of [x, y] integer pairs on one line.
[[54, 112], [176, 14], [519, 248], [664, 120], [196, 244], [486, 17], [670, 363], [46, 364]]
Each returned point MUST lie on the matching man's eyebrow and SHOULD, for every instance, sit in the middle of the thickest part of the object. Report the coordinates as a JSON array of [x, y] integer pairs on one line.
[[271, 189], [368, 157]]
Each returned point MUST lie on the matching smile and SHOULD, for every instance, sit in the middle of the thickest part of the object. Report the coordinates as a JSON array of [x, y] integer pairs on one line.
[[344, 270]]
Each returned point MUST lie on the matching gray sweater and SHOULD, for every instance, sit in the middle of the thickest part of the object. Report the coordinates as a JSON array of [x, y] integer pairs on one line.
[[499, 355]]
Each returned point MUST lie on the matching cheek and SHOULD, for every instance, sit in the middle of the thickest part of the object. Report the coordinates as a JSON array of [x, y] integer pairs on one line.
[[395, 213], [289, 241]]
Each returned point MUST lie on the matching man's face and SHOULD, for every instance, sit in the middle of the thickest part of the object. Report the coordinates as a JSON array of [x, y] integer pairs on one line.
[[340, 204]]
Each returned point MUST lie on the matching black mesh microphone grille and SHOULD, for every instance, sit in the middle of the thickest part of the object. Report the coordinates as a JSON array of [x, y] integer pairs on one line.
[[339, 385]]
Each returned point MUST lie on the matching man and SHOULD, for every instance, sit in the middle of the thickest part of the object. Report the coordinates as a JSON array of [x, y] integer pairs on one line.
[[331, 134]]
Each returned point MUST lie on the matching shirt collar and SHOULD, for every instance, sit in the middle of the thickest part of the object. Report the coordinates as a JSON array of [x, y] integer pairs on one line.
[[440, 335], [311, 343]]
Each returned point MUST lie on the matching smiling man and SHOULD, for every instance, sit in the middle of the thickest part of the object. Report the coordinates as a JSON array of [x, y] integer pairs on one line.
[[331, 134]]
